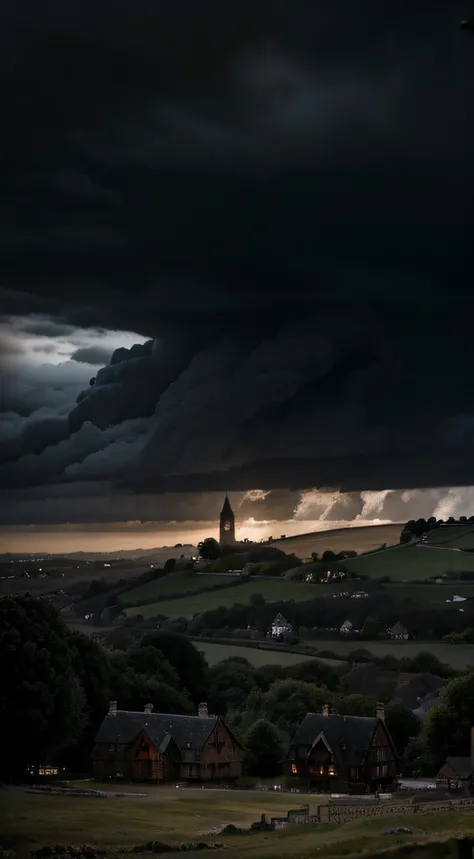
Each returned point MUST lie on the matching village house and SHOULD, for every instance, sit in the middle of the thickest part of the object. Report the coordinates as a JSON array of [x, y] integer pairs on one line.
[[346, 628], [458, 772], [166, 747], [331, 753], [398, 632], [281, 630]]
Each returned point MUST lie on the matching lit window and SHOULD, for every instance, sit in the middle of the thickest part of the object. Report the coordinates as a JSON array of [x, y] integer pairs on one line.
[[294, 769], [331, 770], [321, 770]]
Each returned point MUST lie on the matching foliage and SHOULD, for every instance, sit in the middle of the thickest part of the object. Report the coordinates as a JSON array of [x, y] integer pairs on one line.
[[185, 659], [263, 750], [42, 702], [209, 548]]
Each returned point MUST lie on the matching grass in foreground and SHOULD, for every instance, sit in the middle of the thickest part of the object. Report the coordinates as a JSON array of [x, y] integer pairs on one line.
[[166, 814]]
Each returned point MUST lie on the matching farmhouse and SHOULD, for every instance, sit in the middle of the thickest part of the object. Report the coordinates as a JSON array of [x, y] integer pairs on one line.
[[281, 629], [398, 632], [458, 773], [347, 754], [346, 628], [166, 747]]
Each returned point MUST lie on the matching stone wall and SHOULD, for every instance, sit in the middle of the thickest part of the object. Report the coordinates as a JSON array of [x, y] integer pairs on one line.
[[344, 814]]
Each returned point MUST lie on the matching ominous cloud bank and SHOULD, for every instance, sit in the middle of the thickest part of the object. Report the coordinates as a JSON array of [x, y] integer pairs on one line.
[[278, 200]]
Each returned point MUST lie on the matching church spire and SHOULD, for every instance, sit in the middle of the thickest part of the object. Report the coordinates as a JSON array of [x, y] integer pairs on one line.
[[227, 524]]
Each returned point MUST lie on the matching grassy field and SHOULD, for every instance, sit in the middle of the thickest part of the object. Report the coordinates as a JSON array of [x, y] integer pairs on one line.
[[272, 589], [215, 653], [410, 562], [166, 814], [452, 536], [459, 656], [363, 539], [185, 581]]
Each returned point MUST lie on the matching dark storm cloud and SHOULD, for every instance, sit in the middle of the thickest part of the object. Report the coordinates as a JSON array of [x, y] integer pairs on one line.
[[91, 355], [283, 194]]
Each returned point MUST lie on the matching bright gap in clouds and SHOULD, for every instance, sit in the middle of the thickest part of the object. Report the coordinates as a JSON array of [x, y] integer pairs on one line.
[[35, 340]]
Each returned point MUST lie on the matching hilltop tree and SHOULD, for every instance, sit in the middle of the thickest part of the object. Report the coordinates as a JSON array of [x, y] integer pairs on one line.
[[210, 549]]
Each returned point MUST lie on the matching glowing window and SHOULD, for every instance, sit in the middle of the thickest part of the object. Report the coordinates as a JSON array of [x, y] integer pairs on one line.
[[331, 770], [294, 769]]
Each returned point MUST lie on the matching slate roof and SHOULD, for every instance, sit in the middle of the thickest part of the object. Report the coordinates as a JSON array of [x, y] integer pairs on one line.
[[125, 725], [356, 731], [398, 629], [463, 767], [279, 620]]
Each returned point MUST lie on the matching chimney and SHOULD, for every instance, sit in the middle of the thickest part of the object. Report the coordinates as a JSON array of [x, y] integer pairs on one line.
[[148, 708], [112, 706], [203, 711], [325, 709], [380, 711]]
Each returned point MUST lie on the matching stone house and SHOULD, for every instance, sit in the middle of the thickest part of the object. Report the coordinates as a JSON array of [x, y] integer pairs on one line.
[[332, 753], [151, 746]]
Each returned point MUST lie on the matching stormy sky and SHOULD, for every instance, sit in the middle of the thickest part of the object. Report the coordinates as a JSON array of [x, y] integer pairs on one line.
[[249, 225]]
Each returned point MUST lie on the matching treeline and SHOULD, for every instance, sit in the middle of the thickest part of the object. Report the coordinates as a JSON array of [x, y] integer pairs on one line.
[[281, 697], [418, 527], [382, 607], [55, 686]]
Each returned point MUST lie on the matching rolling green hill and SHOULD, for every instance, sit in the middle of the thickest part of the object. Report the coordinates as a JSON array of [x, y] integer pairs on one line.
[[184, 582], [412, 562], [272, 589], [452, 536], [361, 539]]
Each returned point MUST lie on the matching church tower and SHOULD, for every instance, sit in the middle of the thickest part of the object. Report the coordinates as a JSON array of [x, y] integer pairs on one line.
[[227, 525]]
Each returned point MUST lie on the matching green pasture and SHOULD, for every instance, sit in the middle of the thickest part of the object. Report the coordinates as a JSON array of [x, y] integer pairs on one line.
[[459, 656], [411, 562], [257, 657], [185, 581], [175, 816], [273, 590]]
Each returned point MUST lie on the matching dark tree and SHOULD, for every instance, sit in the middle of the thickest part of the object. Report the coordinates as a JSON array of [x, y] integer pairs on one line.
[[181, 654], [209, 549], [170, 565], [264, 752], [42, 703]]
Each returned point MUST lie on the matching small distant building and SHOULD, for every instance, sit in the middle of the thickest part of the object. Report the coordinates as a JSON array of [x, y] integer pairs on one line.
[[457, 774], [346, 628], [398, 632], [281, 629]]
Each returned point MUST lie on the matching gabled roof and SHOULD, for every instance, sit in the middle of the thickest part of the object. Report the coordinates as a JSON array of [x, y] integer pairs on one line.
[[463, 767], [226, 508], [356, 731], [398, 629], [279, 620], [125, 725]]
